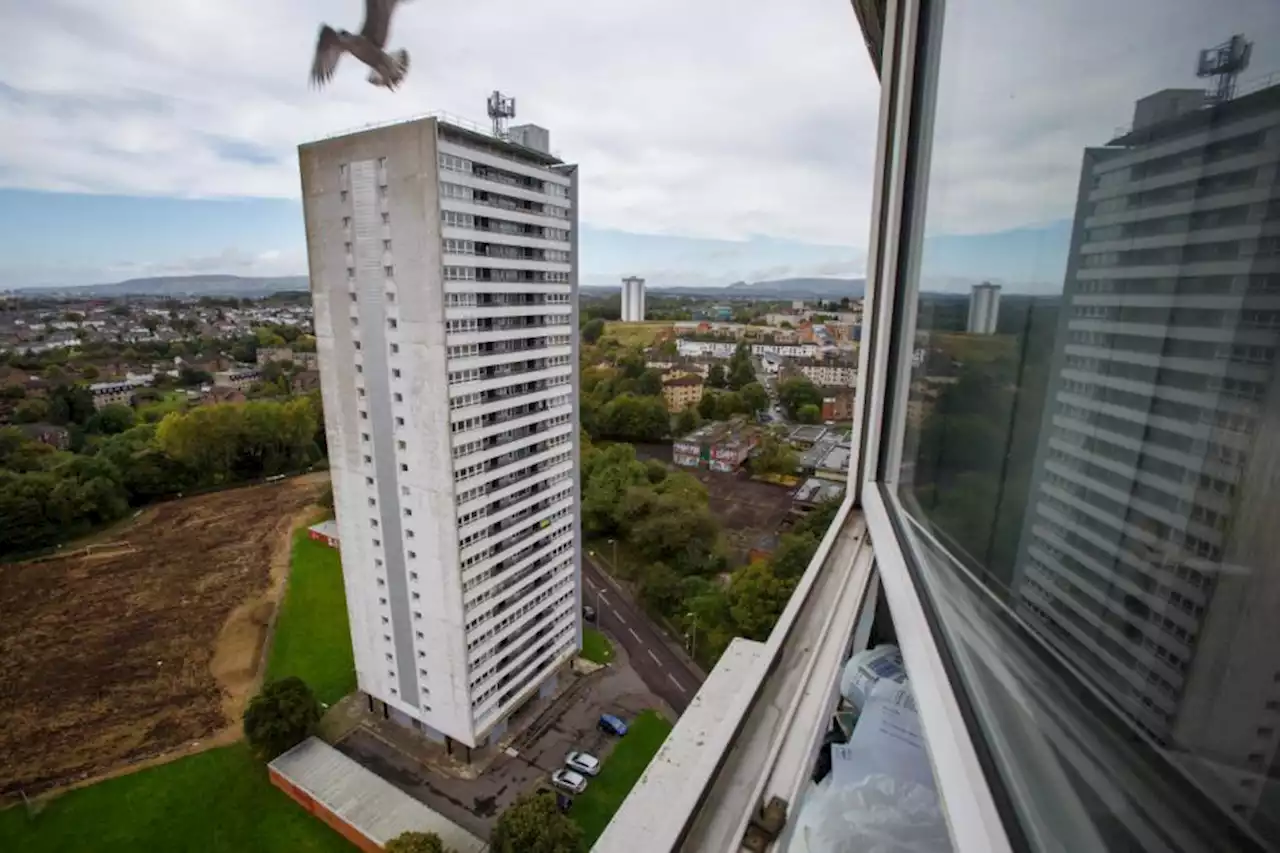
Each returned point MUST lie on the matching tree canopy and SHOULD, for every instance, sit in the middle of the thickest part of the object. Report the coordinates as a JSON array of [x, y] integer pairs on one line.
[[797, 392], [534, 824], [280, 717]]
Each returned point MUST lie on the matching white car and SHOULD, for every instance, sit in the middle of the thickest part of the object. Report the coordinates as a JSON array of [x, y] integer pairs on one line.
[[567, 780], [582, 762]]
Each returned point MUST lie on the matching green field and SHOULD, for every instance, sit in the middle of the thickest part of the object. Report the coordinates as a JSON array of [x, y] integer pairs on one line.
[[216, 801], [312, 640], [594, 809], [636, 334], [596, 646]]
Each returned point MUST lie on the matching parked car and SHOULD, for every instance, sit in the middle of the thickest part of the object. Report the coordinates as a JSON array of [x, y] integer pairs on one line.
[[582, 762], [567, 780], [588, 613], [611, 725]]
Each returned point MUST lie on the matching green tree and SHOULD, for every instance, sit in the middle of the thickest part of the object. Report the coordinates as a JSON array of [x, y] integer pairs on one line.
[[773, 456], [661, 587], [281, 716], [655, 470], [189, 377], [416, 842], [716, 377], [754, 397], [809, 414], [741, 373], [797, 392], [111, 419], [687, 421], [790, 559], [89, 373], [592, 330], [756, 599], [12, 392], [31, 411], [534, 824]]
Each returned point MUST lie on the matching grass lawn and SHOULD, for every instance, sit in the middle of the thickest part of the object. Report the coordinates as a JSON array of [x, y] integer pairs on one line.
[[596, 646], [216, 801], [635, 334], [312, 640], [622, 769]]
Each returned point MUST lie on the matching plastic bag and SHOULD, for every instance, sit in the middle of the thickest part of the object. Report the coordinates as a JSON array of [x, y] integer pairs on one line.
[[879, 814]]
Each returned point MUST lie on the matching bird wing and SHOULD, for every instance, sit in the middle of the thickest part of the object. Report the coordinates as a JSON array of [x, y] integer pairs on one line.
[[377, 21], [329, 50]]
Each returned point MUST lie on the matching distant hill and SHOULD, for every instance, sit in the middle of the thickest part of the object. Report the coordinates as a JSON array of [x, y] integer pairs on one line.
[[251, 286], [783, 288], [180, 285]]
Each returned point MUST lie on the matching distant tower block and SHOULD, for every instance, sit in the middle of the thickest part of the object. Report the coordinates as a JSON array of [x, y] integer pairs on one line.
[[984, 309], [632, 299]]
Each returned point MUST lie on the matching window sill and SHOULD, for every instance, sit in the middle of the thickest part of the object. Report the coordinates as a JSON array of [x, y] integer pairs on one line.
[[753, 731]]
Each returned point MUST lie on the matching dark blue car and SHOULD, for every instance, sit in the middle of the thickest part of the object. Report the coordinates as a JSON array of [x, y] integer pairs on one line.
[[611, 725]]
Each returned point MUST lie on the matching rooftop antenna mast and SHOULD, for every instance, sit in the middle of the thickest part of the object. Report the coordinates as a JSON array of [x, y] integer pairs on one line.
[[501, 108], [1225, 62]]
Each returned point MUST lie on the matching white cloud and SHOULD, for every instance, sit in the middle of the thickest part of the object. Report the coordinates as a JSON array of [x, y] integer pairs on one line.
[[723, 118]]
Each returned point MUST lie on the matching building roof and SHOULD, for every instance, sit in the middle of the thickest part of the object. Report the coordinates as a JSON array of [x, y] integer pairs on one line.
[[719, 432], [377, 809], [815, 491], [682, 380], [807, 433], [837, 458], [326, 528]]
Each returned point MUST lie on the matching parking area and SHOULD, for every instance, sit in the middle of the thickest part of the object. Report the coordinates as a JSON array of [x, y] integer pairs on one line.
[[569, 725]]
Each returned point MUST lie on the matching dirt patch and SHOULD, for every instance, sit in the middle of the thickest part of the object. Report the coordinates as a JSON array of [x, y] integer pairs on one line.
[[142, 646], [750, 512]]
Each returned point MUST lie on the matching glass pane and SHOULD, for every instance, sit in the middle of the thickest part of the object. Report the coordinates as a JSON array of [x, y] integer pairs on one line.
[[1091, 411]]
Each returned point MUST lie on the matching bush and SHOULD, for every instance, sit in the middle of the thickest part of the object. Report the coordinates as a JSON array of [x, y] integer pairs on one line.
[[416, 842], [279, 718], [533, 824]]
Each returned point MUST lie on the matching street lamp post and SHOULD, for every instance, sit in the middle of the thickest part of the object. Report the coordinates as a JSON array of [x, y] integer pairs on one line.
[[693, 635]]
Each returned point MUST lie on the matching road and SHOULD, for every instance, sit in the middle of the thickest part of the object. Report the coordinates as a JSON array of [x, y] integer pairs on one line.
[[662, 670]]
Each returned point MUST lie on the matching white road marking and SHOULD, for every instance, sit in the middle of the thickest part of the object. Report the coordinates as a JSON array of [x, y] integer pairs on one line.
[[678, 685], [655, 657], [620, 619], [634, 634]]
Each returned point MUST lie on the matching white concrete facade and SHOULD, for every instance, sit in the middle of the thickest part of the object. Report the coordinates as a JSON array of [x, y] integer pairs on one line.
[[984, 309], [443, 275], [632, 300]]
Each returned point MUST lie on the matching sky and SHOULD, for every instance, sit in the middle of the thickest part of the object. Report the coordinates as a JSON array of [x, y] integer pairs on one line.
[[717, 141]]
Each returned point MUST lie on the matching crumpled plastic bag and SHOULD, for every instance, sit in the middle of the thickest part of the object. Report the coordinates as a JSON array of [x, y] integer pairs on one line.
[[879, 814]]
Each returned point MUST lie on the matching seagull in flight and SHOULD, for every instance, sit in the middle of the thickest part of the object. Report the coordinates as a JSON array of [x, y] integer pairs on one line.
[[368, 46]]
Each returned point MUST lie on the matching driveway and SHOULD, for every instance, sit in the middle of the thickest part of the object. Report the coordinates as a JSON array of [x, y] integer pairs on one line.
[[475, 803]]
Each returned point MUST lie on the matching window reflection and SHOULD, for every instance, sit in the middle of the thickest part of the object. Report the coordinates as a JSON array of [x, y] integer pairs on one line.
[[1092, 422]]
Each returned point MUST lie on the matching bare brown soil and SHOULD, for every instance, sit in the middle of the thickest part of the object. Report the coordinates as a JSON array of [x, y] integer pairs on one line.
[[752, 513], [146, 645]]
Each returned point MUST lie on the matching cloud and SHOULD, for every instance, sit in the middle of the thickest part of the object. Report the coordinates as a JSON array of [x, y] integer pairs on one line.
[[720, 119]]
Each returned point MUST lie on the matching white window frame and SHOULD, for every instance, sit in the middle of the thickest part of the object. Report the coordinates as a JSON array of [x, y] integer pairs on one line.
[[767, 711]]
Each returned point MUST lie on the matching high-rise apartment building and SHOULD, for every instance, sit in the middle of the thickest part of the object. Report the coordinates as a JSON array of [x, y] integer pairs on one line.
[[633, 300], [1150, 526], [443, 274], [984, 309]]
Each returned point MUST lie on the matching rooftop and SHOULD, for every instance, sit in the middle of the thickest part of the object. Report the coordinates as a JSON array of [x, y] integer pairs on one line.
[[377, 809], [469, 130]]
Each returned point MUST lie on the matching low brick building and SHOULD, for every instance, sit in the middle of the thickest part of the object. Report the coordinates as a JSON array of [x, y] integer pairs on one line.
[[720, 446]]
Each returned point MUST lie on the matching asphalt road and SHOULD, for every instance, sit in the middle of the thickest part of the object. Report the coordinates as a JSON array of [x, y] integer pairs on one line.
[[661, 669]]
